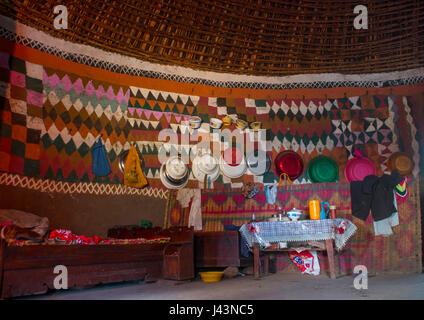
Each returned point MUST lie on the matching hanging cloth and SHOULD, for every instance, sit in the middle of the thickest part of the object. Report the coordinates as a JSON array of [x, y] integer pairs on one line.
[[384, 227], [133, 175], [401, 191], [271, 193], [195, 217], [100, 164], [185, 196]]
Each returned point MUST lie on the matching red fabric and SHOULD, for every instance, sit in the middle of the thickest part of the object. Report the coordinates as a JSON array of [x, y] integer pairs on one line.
[[67, 236]]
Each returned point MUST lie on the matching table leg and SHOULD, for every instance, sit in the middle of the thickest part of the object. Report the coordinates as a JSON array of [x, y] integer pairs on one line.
[[256, 260], [330, 255], [266, 264], [273, 258]]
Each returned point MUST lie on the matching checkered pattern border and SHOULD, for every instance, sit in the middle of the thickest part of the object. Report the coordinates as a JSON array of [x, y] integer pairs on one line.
[[305, 230], [21, 102]]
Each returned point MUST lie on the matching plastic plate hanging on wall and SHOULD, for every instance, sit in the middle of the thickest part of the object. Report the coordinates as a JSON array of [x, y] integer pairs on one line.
[[289, 162], [322, 169], [358, 168], [122, 158]]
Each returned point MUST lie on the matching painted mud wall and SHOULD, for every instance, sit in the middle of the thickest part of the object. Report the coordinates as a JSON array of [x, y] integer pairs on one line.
[[55, 104], [85, 214]]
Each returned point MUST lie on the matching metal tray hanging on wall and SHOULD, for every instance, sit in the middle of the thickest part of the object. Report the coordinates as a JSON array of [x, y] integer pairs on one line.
[[122, 158]]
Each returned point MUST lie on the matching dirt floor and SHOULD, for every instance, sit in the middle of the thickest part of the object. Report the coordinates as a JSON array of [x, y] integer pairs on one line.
[[278, 286]]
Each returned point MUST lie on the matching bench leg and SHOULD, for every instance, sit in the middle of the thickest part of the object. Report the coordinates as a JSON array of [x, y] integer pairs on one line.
[[330, 255], [256, 260], [273, 258]]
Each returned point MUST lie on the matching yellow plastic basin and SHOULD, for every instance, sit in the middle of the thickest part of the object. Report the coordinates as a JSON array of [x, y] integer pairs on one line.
[[211, 276]]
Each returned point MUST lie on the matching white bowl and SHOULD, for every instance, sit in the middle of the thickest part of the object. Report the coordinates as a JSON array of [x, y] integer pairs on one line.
[[195, 122], [294, 216], [215, 123]]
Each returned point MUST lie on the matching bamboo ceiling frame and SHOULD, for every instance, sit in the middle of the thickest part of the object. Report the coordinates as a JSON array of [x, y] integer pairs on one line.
[[254, 37]]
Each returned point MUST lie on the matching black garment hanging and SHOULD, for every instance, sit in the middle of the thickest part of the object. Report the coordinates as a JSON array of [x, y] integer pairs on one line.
[[375, 194]]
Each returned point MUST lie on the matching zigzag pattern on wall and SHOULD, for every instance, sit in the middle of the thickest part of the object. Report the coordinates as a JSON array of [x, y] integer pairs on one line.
[[155, 110], [76, 110], [46, 185]]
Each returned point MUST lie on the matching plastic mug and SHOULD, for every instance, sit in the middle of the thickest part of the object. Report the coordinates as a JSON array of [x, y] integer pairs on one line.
[[314, 209]]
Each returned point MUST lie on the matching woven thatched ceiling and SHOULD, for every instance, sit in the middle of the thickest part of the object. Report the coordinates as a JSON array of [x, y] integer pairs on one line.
[[256, 37]]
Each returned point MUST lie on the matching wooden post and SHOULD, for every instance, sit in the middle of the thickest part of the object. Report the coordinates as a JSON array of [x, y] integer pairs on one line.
[[330, 255], [2, 257], [256, 260]]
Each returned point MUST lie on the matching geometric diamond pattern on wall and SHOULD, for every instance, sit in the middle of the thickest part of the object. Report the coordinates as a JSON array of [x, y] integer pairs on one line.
[[65, 114], [77, 112]]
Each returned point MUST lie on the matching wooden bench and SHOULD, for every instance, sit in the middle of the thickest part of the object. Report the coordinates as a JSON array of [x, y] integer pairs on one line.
[[326, 245], [29, 269], [179, 253]]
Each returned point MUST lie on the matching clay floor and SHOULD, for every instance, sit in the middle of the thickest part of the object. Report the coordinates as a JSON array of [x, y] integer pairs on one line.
[[278, 286]]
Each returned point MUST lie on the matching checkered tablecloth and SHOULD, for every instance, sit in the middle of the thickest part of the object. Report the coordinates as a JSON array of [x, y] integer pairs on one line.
[[265, 233]]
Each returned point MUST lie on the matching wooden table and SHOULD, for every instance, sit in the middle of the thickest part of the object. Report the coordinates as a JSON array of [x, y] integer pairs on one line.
[[327, 245], [319, 235]]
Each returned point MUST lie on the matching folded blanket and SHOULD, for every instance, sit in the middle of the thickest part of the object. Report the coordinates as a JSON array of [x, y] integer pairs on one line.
[[25, 220], [11, 231]]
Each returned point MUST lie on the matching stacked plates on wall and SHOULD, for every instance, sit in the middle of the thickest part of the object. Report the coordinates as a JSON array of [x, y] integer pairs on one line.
[[232, 163], [174, 173], [258, 162], [205, 166]]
